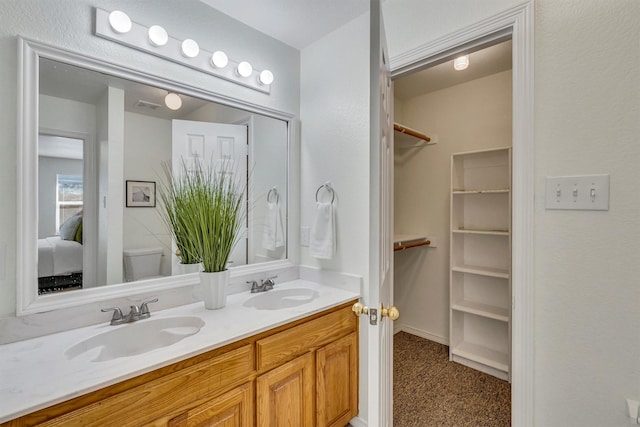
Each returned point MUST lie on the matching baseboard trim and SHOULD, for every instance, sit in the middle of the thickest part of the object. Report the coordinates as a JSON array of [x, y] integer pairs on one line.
[[420, 333], [358, 422]]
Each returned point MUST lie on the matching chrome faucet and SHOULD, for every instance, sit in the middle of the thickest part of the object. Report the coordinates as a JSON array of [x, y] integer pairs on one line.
[[265, 285], [135, 313]]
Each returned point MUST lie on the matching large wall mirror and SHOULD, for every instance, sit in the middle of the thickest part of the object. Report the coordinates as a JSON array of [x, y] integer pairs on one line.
[[95, 141]]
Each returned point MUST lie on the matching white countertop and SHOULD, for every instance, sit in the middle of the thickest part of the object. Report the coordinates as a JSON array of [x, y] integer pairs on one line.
[[35, 373]]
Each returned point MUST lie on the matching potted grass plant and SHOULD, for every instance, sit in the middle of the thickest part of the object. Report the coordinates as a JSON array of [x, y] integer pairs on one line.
[[203, 208]]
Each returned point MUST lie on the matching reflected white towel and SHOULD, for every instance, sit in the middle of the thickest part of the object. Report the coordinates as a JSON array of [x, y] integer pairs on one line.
[[273, 233], [323, 232]]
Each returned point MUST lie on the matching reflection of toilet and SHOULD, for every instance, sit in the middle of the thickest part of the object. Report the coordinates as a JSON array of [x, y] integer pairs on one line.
[[142, 263]]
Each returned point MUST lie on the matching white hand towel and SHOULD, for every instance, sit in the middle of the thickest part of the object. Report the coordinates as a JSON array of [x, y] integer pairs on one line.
[[322, 243], [273, 232]]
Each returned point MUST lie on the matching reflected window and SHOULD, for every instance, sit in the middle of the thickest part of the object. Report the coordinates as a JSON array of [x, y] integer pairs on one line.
[[68, 197]]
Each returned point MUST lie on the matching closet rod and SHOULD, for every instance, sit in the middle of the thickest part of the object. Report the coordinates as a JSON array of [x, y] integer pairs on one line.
[[402, 129], [402, 247]]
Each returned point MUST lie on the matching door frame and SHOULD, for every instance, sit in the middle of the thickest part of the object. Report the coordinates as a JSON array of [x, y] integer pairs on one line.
[[518, 23]]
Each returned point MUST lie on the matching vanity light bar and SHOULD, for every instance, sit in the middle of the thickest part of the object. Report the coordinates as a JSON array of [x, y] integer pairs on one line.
[[116, 26]]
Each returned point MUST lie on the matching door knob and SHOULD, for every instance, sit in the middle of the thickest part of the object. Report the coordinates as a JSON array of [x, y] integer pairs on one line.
[[359, 309], [391, 312]]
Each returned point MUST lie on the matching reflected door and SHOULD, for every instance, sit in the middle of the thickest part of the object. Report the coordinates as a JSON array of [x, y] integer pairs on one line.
[[225, 146]]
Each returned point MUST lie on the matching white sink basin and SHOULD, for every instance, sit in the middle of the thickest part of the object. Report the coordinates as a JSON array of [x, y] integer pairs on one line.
[[135, 338], [281, 298]]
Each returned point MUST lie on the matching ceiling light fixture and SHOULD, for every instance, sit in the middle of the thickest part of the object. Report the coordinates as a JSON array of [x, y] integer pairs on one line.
[[461, 63], [190, 48], [219, 59], [266, 77], [120, 22], [244, 69], [158, 36], [173, 101]]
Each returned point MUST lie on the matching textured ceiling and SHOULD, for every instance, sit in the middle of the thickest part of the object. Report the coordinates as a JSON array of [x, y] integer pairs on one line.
[[482, 63], [297, 23]]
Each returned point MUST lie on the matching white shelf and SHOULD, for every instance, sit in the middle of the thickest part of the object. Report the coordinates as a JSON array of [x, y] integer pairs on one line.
[[405, 137], [482, 271], [477, 353], [484, 310], [399, 239], [497, 191], [484, 232]]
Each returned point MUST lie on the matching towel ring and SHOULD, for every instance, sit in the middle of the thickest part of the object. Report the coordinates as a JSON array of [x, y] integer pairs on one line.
[[274, 192], [329, 190]]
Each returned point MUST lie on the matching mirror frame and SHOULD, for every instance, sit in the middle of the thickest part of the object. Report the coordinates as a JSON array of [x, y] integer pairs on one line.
[[27, 299]]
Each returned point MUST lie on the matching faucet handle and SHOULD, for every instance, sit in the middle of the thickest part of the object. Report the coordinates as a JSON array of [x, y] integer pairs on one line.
[[117, 315], [144, 308], [254, 286], [269, 282]]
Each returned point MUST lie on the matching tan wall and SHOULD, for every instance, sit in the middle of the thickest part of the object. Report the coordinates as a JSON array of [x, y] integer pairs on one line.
[[465, 117]]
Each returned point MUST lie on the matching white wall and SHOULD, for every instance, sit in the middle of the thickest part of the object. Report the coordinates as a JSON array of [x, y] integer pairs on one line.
[[147, 144], [587, 118], [466, 117], [69, 24], [335, 147]]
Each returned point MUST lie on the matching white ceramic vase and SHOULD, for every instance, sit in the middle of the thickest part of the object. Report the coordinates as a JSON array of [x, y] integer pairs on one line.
[[214, 289], [190, 268]]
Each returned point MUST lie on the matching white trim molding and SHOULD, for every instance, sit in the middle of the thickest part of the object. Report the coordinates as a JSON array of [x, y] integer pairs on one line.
[[518, 23]]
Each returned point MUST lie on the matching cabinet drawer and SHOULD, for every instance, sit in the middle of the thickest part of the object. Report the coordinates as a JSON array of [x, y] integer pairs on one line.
[[181, 389], [288, 344]]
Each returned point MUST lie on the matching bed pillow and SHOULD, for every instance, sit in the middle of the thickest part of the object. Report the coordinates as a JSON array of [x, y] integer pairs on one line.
[[69, 227], [78, 236]]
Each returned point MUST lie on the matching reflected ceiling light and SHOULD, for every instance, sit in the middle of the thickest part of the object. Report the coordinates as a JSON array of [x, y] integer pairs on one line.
[[173, 101], [461, 63], [120, 22], [158, 36], [219, 59], [244, 69], [266, 77], [190, 48]]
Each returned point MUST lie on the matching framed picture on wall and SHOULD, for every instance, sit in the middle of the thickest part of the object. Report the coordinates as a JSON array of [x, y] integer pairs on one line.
[[141, 194]]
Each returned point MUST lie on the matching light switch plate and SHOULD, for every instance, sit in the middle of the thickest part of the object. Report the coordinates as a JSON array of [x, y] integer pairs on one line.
[[305, 236], [584, 192]]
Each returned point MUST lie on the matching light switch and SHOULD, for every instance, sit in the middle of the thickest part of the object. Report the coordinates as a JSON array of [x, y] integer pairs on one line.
[[584, 192]]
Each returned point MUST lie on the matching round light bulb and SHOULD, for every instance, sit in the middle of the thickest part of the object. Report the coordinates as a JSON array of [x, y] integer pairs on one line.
[[461, 63], [120, 22], [173, 101], [190, 48], [266, 77], [158, 36], [244, 69], [219, 59]]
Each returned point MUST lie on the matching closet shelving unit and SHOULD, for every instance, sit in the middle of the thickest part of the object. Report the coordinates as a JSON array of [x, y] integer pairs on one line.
[[480, 260]]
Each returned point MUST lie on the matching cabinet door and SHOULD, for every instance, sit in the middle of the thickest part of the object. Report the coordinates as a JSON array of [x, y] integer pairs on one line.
[[232, 409], [285, 395], [337, 382]]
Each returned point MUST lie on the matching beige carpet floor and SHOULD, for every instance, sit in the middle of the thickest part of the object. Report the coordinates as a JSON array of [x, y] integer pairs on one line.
[[429, 390]]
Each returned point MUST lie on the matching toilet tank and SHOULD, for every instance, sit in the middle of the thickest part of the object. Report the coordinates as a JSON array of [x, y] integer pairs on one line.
[[142, 263]]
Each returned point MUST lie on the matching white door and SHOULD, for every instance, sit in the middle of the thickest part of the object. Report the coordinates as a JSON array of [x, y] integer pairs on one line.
[[223, 144], [380, 337]]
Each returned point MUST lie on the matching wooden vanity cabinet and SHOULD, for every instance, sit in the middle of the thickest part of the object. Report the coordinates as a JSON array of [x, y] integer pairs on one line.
[[304, 373]]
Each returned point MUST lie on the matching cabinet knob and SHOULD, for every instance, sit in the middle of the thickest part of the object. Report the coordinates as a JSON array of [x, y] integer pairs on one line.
[[391, 312]]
